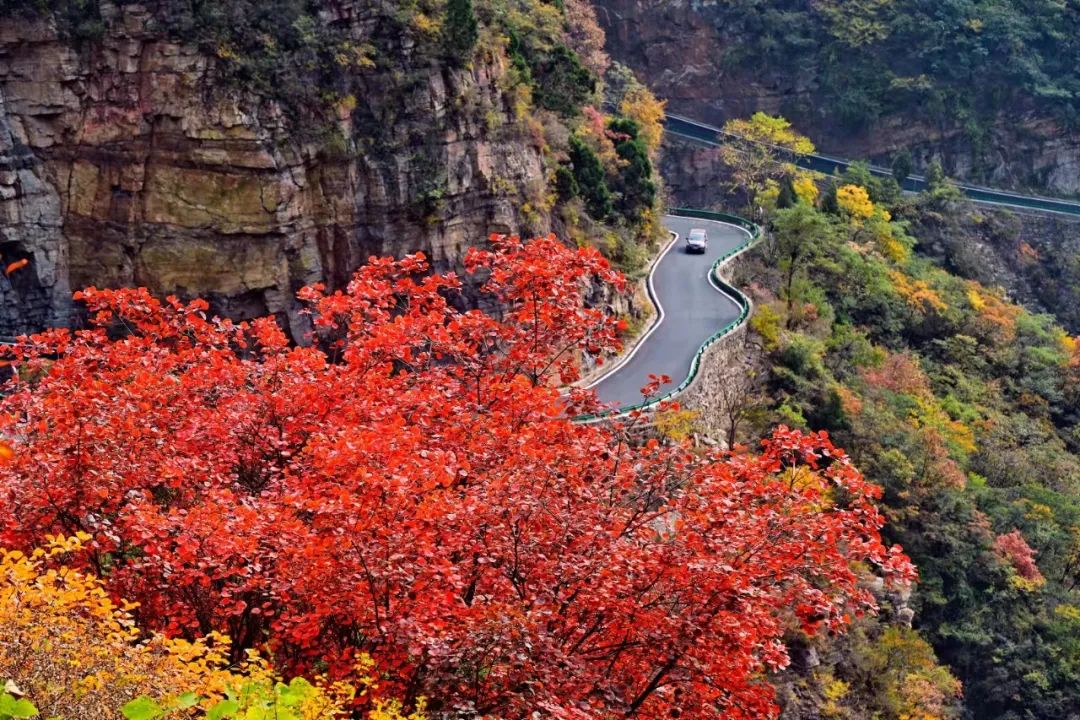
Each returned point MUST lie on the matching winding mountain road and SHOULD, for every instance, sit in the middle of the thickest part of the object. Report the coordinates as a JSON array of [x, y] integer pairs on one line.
[[692, 308]]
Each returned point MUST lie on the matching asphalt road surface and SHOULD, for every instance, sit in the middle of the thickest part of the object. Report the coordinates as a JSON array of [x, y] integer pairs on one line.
[[693, 309]]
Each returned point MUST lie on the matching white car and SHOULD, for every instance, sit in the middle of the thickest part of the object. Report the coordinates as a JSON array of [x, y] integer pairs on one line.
[[697, 241]]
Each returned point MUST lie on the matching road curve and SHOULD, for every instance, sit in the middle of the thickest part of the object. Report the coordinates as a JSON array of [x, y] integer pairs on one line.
[[706, 134], [692, 310]]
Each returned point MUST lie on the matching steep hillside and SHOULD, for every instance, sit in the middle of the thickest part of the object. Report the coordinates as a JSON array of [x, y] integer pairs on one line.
[[240, 150], [989, 87], [962, 406]]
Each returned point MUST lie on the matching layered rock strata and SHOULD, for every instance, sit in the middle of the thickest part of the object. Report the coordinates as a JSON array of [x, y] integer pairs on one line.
[[126, 162]]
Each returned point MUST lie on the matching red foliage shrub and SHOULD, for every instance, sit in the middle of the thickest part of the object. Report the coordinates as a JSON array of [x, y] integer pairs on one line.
[[899, 373], [409, 486], [1013, 548]]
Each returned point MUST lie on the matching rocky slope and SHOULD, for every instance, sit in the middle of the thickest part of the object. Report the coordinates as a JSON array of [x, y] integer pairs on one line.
[[1035, 257], [125, 161], [712, 61]]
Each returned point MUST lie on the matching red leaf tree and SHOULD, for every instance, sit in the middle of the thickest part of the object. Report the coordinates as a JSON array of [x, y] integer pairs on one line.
[[409, 486], [1014, 549]]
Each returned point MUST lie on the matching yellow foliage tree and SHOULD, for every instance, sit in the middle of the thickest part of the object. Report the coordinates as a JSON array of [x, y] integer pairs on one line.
[[768, 196], [72, 652], [767, 323], [907, 681], [760, 148], [917, 293], [996, 315], [834, 690], [870, 222], [889, 243], [770, 130], [641, 105], [676, 423], [855, 203], [805, 187]]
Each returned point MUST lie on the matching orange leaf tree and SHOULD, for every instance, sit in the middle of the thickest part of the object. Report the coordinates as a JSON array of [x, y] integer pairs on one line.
[[409, 487]]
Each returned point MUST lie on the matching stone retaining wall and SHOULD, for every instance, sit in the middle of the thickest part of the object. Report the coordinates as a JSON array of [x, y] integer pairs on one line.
[[718, 363]]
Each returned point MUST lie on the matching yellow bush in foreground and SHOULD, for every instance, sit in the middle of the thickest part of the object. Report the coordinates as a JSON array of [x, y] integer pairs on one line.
[[68, 649]]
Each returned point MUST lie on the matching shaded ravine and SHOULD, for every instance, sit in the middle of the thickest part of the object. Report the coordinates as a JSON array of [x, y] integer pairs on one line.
[[695, 307]]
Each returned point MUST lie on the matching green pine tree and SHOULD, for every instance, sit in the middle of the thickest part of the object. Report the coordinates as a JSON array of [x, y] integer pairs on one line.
[[935, 175], [787, 197], [591, 179], [902, 165], [461, 31]]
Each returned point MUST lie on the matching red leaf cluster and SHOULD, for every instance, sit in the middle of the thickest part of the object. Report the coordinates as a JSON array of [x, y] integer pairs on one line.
[[1014, 549], [409, 486]]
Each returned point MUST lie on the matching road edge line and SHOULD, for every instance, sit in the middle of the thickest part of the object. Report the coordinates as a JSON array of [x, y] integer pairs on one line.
[[713, 271], [660, 315]]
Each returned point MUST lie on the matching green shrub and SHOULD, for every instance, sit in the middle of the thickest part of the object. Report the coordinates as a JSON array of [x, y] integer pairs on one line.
[[461, 31], [566, 184], [635, 184], [561, 83], [77, 20], [591, 179]]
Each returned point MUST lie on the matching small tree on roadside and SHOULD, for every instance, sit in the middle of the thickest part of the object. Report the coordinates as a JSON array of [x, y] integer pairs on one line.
[[738, 399], [902, 165], [787, 196]]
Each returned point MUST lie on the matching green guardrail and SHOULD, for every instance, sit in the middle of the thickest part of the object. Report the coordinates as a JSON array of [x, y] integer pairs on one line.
[[736, 294]]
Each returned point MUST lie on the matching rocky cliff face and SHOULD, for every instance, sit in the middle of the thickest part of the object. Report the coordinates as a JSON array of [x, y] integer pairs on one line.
[[123, 162], [684, 50]]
